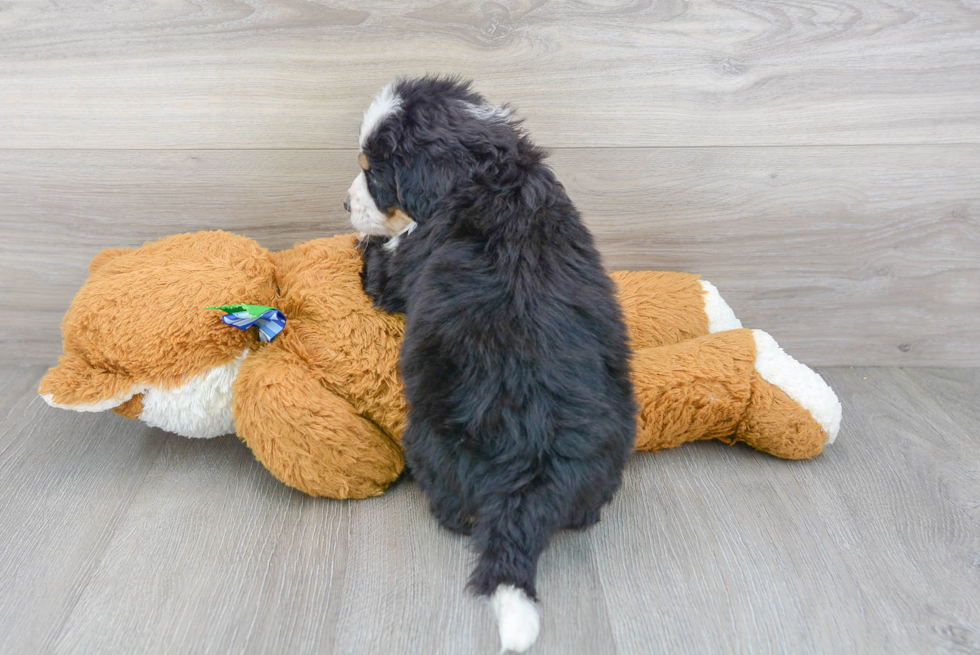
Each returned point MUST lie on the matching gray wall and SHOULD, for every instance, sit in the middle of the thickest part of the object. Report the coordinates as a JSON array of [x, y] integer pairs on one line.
[[819, 164]]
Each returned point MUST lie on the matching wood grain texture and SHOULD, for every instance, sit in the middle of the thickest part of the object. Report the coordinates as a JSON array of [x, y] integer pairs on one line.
[[955, 390], [861, 256], [115, 538], [847, 255], [866, 549], [953, 394], [215, 556], [285, 74], [65, 482]]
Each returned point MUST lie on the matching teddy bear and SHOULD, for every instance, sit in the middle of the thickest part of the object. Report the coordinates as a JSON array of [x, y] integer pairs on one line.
[[318, 398]]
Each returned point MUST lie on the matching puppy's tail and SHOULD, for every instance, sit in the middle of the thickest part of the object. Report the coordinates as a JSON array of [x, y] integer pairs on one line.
[[517, 618], [510, 539]]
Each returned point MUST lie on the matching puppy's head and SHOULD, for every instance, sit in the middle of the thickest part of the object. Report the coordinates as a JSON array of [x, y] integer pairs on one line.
[[419, 140]]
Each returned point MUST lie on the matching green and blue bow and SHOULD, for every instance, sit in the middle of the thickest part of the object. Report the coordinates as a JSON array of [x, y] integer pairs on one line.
[[269, 320]]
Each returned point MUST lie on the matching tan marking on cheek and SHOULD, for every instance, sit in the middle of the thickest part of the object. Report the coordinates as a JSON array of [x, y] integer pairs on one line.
[[398, 220], [363, 162]]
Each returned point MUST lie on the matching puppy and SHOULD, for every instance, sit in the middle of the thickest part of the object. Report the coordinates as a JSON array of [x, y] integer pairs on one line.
[[515, 356]]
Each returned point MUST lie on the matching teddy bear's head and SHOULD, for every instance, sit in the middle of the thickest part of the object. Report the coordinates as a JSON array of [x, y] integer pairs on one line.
[[139, 337]]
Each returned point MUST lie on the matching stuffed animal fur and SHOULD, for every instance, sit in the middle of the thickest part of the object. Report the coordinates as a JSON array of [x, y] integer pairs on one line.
[[321, 406]]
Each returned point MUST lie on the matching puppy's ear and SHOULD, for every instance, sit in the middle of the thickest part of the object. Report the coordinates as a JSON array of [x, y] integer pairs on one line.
[[409, 192], [422, 183]]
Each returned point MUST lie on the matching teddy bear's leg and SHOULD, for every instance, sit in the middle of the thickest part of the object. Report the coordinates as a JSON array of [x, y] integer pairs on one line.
[[732, 385], [307, 436], [661, 309], [695, 389], [792, 413]]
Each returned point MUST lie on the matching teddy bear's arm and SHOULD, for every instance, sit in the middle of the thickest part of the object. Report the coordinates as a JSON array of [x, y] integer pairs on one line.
[[78, 385], [661, 309], [307, 436], [105, 256]]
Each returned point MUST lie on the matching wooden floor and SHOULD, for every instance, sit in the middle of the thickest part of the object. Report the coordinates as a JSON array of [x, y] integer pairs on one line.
[[117, 538], [819, 162]]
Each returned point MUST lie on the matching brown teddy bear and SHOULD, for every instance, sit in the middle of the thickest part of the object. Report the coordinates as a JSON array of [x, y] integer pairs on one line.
[[321, 405]]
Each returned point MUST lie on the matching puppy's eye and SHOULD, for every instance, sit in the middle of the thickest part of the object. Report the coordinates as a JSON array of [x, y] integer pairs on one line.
[[362, 159]]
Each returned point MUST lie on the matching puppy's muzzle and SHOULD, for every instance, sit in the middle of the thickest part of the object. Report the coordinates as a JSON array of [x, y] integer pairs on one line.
[[347, 203]]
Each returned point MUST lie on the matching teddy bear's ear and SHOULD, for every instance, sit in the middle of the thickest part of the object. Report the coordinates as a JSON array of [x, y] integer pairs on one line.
[[78, 385], [106, 256]]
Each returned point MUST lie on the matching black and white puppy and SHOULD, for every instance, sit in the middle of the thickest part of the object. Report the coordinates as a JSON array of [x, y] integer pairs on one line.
[[515, 358]]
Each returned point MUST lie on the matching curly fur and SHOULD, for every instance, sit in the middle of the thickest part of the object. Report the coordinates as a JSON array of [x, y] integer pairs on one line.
[[515, 357]]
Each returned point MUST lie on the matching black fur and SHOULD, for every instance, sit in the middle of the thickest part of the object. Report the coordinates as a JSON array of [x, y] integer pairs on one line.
[[515, 357]]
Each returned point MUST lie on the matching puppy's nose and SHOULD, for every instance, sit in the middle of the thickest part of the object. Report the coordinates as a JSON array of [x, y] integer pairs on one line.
[[347, 204]]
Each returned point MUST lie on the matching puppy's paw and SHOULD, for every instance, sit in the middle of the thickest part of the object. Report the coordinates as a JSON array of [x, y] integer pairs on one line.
[[455, 520], [374, 273], [585, 519]]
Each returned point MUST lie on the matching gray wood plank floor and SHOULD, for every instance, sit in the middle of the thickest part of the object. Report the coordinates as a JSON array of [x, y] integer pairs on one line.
[[115, 538]]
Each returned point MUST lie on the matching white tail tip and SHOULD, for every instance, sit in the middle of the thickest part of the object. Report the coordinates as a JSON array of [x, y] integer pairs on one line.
[[517, 618]]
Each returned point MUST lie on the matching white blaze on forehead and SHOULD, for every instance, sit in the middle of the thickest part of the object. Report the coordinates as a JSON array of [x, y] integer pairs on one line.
[[385, 104]]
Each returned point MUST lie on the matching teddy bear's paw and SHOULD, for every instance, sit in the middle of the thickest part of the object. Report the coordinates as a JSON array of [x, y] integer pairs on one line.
[[78, 385], [799, 382], [199, 407], [94, 406], [720, 314]]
